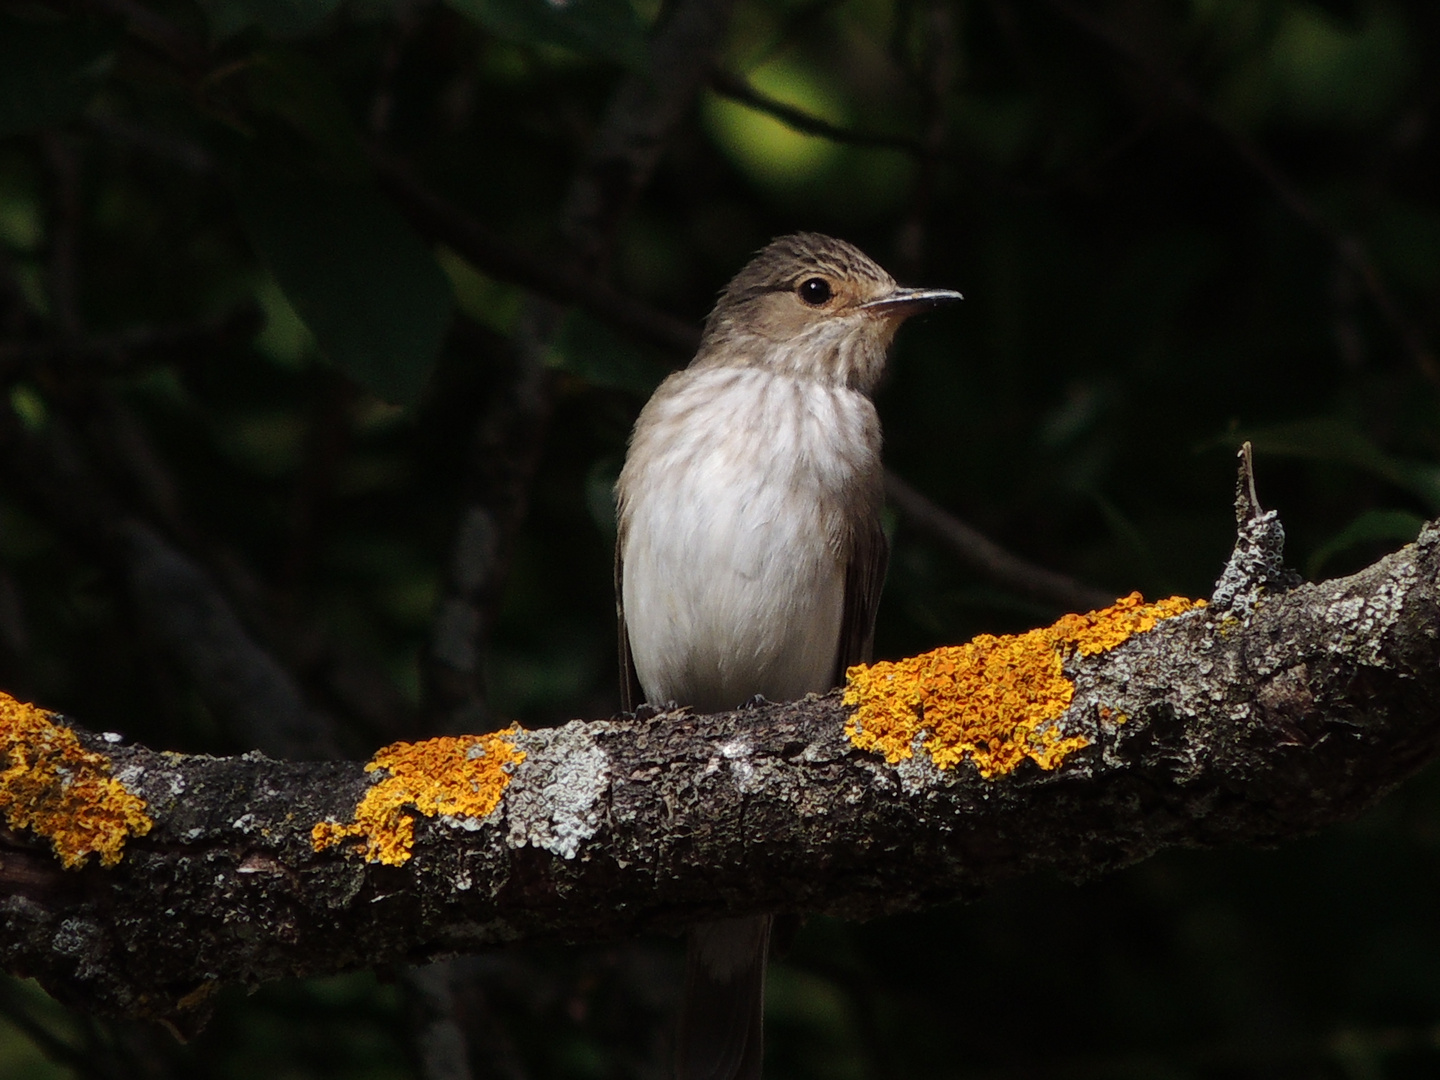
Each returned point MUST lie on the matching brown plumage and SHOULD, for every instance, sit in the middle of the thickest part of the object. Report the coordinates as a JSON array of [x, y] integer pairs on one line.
[[749, 556]]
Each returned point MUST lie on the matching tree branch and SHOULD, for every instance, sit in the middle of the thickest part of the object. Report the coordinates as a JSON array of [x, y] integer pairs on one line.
[[639, 119], [735, 87], [507, 440], [124, 352], [438, 219], [1249, 722], [177, 598], [983, 555], [509, 435]]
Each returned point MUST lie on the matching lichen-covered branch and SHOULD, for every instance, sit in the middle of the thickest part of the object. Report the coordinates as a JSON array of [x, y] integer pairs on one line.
[[1107, 737]]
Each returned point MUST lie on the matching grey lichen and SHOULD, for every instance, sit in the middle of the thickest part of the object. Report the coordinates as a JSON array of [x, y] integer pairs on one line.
[[1256, 568], [1366, 618], [1257, 565], [918, 771], [555, 802]]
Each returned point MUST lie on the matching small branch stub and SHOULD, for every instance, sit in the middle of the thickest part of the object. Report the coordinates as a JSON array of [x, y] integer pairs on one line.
[[1257, 565]]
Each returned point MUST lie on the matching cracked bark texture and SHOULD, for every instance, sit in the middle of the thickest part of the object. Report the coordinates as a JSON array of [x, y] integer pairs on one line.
[[1248, 724]]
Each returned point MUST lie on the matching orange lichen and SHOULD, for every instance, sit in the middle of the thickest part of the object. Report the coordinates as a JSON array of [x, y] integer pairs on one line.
[[994, 699], [459, 777], [54, 787]]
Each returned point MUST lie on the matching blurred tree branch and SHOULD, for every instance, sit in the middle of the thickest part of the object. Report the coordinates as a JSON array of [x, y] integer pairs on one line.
[[94, 472], [1261, 718], [640, 117], [509, 434], [176, 597], [981, 554], [130, 350], [737, 88], [935, 79], [438, 219]]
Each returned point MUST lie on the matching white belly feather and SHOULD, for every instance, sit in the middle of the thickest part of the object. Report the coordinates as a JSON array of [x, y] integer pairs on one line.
[[735, 539]]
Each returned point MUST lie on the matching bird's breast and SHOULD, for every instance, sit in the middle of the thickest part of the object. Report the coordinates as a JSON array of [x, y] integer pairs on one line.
[[739, 498]]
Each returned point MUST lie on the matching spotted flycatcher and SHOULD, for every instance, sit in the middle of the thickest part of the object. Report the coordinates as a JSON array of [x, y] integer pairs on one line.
[[750, 555]]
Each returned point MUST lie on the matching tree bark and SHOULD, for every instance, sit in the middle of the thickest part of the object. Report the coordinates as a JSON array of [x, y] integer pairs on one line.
[[1264, 716]]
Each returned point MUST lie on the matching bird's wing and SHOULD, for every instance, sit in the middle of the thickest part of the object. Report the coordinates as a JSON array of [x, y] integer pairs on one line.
[[631, 695], [864, 578]]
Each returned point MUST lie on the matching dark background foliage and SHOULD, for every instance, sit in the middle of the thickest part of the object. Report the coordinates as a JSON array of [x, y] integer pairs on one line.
[[223, 319]]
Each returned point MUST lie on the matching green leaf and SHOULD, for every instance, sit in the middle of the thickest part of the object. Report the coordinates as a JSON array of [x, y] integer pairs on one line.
[[281, 18], [294, 87], [1370, 527], [607, 29], [1329, 439], [366, 286], [48, 71], [593, 352], [1328, 72]]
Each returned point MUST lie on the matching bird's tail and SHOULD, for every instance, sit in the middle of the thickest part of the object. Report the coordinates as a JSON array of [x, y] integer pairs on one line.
[[724, 1003]]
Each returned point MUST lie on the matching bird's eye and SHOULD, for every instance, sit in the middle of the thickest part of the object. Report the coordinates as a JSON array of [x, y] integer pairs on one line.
[[815, 291]]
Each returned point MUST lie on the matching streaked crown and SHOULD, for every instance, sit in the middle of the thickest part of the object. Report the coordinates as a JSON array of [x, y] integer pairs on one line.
[[811, 306]]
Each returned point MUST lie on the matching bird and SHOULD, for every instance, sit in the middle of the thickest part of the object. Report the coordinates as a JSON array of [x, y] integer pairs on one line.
[[750, 555]]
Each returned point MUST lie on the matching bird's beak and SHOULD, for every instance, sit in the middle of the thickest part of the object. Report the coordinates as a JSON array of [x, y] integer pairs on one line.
[[907, 302]]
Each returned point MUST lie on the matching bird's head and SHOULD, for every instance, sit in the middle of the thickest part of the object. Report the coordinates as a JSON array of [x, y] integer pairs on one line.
[[814, 307]]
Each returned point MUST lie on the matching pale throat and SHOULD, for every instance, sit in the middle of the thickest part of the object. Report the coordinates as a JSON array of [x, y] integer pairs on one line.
[[848, 351]]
